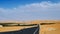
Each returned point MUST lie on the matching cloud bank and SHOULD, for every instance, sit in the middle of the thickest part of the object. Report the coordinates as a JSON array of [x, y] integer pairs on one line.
[[42, 10]]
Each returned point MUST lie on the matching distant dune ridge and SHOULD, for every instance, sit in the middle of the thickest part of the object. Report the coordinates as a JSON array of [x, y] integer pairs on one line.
[[31, 21], [42, 21]]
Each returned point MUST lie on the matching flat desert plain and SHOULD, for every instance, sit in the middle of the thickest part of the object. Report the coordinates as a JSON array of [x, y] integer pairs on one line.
[[44, 29]]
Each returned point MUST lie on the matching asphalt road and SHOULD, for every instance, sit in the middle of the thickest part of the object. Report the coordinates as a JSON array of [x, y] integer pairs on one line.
[[33, 30]]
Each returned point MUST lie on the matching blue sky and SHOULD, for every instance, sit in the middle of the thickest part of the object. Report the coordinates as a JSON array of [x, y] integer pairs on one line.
[[29, 9], [16, 3]]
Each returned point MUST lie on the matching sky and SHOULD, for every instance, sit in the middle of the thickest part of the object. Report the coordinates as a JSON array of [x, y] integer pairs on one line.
[[29, 9]]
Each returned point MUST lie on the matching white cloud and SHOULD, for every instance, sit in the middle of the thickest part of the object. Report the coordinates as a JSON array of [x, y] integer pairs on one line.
[[43, 10]]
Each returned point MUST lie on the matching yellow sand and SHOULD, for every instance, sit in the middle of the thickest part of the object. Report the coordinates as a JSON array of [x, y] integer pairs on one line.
[[44, 29], [50, 29], [13, 28]]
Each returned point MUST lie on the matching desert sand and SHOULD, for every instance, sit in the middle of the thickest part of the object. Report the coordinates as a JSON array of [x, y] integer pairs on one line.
[[44, 29]]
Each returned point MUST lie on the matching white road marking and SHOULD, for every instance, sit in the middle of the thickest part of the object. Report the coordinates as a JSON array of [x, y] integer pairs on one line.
[[35, 30]]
